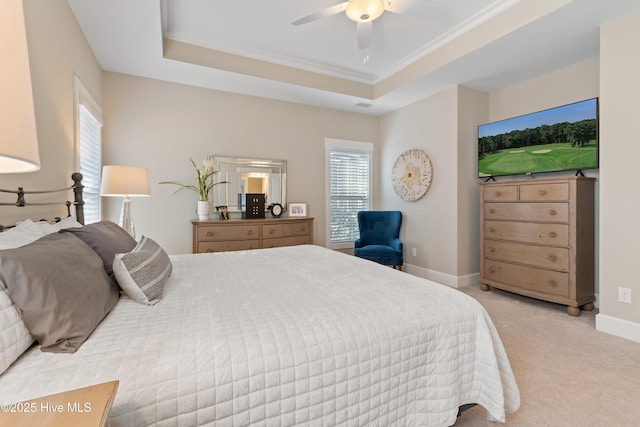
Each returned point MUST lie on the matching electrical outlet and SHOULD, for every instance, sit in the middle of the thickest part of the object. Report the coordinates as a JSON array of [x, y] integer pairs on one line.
[[624, 295], [414, 251]]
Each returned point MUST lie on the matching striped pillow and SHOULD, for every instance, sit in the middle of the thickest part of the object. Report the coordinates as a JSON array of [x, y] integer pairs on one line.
[[143, 272]]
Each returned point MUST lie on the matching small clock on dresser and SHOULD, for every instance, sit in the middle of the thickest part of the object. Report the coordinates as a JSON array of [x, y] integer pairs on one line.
[[275, 209]]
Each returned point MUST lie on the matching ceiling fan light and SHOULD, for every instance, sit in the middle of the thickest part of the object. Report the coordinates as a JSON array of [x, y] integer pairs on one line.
[[364, 10]]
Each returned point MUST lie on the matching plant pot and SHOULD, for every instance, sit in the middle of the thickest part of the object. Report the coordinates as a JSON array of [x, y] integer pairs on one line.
[[204, 209]]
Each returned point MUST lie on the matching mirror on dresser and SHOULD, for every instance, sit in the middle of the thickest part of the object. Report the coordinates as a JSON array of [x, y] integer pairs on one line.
[[245, 175]]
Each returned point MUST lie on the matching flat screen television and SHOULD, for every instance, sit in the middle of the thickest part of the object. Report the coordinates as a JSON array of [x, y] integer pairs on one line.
[[558, 139]]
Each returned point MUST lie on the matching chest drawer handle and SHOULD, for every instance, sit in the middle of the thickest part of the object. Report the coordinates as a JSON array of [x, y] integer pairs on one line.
[[498, 194], [552, 212], [492, 249], [209, 233], [491, 229], [542, 192], [250, 232], [271, 231], [553, 283], [492, 269], [492, 210], [552, 234], [553, 258]]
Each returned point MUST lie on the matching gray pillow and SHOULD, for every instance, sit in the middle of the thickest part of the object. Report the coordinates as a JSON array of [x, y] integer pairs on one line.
[[61, 287], [142, 272], [107, 239]]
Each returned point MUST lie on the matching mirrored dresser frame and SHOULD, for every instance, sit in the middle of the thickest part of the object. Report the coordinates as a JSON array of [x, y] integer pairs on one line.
[[245, 175]]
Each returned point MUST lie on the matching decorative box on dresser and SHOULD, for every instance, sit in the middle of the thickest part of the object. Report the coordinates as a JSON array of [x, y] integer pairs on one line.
[[537, 239], [243, 234]]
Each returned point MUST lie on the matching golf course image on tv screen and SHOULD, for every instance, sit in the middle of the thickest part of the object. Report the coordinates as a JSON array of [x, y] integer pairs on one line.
[[561, 138]]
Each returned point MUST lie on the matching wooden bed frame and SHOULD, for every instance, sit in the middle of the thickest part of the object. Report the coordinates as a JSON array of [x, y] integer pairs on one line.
[[78, 202]]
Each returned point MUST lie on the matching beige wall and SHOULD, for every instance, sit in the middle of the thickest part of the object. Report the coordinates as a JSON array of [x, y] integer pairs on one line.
[[161, 125], [57, 51], [430, 223], [619, 153], [571, 84], [445, 126], [472, 111]]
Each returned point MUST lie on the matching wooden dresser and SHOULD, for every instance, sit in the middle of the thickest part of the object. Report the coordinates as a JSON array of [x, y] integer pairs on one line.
[[242, 234], [537, 239]]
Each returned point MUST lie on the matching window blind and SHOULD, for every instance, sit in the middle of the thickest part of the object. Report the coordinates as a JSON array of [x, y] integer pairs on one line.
[[89, 147], [349, 193]]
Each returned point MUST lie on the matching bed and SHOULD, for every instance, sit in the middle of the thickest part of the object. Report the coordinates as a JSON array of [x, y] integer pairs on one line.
[[291, 336]]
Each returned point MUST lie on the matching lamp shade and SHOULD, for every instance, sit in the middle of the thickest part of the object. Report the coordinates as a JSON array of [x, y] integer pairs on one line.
[[124, 181], [18, 135]]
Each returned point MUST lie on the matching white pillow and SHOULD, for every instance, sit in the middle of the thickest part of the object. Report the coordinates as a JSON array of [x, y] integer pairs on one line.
[[22, 234], [14, 336], [142, 272], [48, 227]]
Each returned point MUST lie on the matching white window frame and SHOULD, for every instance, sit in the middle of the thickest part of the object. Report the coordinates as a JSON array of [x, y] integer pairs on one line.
[[84, 99], [346, 146]]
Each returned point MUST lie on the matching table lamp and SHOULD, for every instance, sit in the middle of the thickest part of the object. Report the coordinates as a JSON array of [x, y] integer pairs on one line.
[[125, 181], [18, 135]]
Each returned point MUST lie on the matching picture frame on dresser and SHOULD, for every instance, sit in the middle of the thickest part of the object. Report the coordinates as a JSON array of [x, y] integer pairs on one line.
[[297, 209]]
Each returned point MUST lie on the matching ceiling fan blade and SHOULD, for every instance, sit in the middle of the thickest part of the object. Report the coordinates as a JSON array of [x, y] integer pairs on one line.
[[331, 10], [364, 34]]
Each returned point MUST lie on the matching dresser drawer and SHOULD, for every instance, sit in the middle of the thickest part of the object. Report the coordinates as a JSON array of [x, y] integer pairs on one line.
[[557, 212], [529, 232], [500, 193], [229, 245], [539, 256], [285, 230], [545, 191], [217, 233], [285, 241], [535, 279]]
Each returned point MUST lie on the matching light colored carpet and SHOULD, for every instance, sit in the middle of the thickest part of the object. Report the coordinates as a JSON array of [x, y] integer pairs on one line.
[[569, 374]]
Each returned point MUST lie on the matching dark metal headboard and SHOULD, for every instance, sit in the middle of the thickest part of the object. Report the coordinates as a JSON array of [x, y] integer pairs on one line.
[[78, 203]]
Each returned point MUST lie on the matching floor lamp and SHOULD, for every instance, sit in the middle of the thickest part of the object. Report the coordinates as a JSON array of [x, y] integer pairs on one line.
[[125, 181]]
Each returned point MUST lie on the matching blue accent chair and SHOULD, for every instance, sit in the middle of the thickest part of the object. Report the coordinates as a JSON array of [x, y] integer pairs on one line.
[[380, 237]]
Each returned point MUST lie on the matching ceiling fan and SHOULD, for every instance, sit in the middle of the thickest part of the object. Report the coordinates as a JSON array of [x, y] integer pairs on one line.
[[362, 12]]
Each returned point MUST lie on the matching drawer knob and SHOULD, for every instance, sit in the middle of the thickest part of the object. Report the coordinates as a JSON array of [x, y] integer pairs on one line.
[[491, 229], [498, 194], [553, 258], [542, 192], [250, 232], [553, 283], [552, 234], [492, 249], [552, 212], [209, 233], [492, 210], [271, 231], [492, 269]]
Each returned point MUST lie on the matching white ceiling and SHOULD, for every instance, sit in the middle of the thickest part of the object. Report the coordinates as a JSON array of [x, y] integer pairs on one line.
[[251, 47]]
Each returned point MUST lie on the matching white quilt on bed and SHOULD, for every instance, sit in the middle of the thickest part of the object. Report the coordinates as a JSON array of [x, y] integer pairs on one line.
[[296, 336]]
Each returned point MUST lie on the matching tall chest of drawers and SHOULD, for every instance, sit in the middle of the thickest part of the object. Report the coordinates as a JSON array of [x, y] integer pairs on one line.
[[537, 239], [243, 234]]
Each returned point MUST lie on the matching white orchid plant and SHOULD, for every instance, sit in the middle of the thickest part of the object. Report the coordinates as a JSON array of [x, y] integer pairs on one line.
[[204, 179]]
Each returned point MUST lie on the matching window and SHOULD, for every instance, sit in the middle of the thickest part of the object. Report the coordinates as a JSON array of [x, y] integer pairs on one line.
[[348, 189], [88, 150]]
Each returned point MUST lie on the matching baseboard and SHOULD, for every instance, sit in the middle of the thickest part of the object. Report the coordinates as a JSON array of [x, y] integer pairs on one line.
[[446, 279], [619, 327]]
